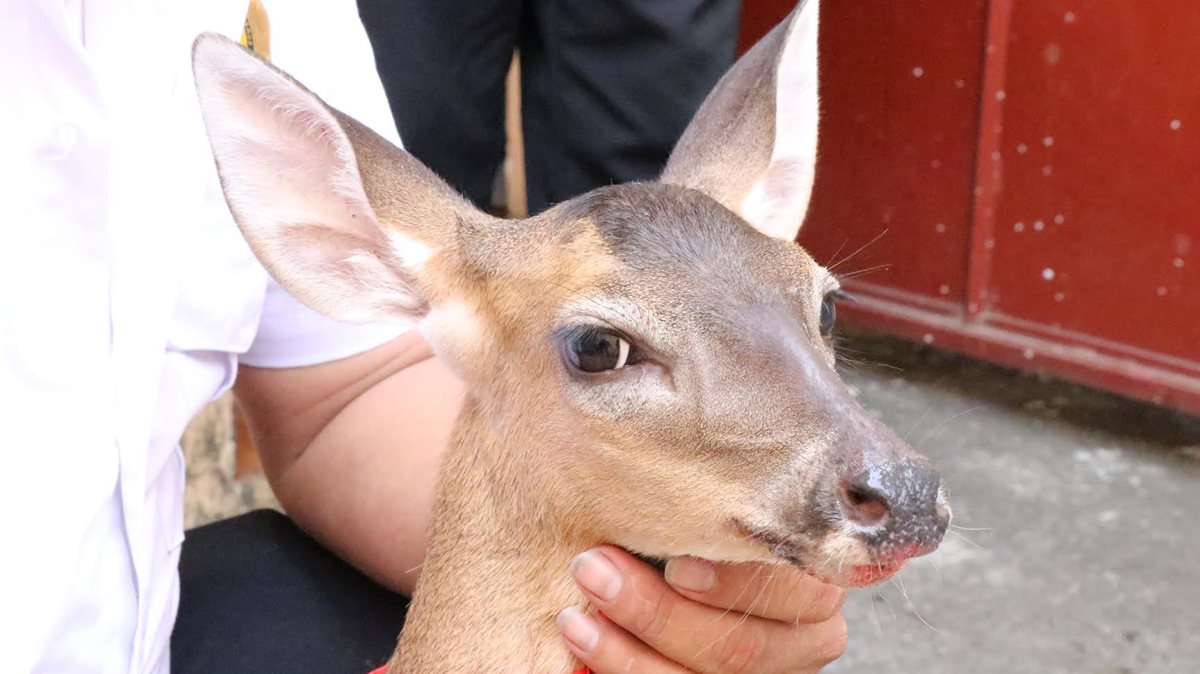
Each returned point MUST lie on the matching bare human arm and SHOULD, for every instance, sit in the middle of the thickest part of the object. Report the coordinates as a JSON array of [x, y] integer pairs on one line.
[[352, 447]]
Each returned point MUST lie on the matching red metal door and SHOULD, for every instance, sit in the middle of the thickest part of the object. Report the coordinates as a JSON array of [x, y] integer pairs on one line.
[[1029, 172]]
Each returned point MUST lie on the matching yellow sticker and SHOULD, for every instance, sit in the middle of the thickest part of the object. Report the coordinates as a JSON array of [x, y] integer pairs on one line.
[[256, 31]]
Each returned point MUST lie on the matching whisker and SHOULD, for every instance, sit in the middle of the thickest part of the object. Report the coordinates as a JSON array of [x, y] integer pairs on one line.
[[762, 592], [745, 614], [839, 249], [863, 272], [938, 569], [856, 252], [918, 422], [875, 613], [904, 593], [888, 603], [741, 594], [942, 425], [844, 353], [787, 598], [951, 531], [842, 560]]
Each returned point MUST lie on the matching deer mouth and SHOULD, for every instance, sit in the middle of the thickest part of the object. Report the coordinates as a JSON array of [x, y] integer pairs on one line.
[[834, 572], [779, 546], [863, 575]]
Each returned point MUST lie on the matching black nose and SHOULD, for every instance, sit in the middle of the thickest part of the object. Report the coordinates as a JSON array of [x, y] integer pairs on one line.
[[899, 501]]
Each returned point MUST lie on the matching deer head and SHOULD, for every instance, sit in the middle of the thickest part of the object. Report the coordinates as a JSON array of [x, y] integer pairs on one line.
[[666, 344]]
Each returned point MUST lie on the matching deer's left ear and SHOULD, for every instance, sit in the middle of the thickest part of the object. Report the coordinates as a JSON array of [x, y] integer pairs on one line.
[[753, 144]]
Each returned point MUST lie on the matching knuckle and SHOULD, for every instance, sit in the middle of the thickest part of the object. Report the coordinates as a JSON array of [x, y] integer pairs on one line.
[[833, 646], [652, 614], [739, 652], [826, 604]]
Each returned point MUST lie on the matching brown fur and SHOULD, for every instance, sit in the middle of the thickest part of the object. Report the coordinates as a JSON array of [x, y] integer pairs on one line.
[[729, 442]]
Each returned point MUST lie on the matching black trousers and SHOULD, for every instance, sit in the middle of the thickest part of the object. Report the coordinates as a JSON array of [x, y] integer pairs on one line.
[[258, 596], [608, 86]]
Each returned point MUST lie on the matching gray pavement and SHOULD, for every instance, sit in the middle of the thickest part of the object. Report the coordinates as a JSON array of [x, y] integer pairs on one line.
[[1076, 544]]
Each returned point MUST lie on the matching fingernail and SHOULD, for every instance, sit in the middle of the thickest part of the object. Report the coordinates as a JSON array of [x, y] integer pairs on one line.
[[689, 573], [597, 575], [578, 628]]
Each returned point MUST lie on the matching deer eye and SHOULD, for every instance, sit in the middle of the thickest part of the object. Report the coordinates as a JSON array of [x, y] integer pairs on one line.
[[829, 312], [598, 350]]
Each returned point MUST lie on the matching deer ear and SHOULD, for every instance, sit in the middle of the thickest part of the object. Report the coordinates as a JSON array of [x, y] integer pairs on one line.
[[343, 219], [753, 144]]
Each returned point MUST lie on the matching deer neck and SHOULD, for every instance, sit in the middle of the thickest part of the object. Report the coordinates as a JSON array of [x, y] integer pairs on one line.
[[496, 571]]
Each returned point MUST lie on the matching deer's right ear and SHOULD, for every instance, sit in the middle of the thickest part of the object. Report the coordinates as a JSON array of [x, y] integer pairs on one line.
[[307, 186], [753, 144]]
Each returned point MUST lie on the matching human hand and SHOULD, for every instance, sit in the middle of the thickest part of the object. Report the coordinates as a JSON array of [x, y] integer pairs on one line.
[[703, 617]]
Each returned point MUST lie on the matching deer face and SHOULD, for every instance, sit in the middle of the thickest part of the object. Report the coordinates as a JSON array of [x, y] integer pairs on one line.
[[659, 352]]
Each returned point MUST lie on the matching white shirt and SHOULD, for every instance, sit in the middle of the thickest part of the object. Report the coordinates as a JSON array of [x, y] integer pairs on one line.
[[127, 299]]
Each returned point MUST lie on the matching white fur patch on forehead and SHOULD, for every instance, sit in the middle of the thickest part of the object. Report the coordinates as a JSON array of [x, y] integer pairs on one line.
[[415, 253], [456, 331], [292, 183]]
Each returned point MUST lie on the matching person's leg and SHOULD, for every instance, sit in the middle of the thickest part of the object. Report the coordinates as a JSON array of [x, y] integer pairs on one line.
[[608, 87], [443, 64], [257, 595]]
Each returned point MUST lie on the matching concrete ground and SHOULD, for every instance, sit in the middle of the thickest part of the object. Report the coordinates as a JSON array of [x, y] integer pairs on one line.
[[1076, 541]]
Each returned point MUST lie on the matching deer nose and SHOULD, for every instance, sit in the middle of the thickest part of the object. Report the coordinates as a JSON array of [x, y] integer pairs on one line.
[[897, 505]]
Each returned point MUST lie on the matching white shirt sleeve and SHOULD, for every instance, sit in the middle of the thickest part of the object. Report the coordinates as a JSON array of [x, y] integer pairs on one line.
[[292, 335]]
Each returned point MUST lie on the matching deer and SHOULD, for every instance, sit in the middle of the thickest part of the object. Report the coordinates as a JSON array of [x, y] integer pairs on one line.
[[662, 346]]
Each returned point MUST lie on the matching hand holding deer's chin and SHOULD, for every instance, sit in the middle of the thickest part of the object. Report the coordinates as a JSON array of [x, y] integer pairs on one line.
[[703, 617]]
